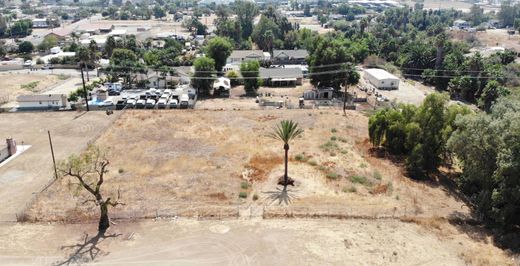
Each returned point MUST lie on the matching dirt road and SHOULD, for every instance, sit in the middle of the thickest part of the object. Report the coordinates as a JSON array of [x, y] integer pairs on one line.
[[250, 242]]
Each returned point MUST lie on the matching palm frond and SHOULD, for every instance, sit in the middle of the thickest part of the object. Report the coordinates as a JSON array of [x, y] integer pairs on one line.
[[286, 131]]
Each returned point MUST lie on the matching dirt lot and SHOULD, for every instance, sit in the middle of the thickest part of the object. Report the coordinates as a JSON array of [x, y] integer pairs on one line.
[[491, 38], [191, 163], [250, 242], [237, 100], [30, 171], [13, 85]]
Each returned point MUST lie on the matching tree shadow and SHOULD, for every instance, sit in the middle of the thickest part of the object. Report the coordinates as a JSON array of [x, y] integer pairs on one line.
[[282, 195], [87, 250]]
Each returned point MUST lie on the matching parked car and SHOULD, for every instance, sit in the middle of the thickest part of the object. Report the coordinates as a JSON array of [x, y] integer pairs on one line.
[[28, 63], [131, 103], [107, 103], [120, 104], [47, 66], [150, 104], [162, 103], [174, 103], [140, 104], [114, 93], [184, 102]]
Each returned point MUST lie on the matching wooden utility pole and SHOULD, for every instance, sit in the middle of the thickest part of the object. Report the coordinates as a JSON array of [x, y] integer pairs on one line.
[[52, 153], [84, 89]]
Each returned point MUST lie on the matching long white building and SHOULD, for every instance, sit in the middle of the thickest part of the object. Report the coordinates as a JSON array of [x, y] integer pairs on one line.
[[381, 79]]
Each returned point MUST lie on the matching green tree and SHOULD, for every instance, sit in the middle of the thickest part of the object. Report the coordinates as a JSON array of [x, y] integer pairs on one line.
[[265, 32], [25, 47], [203, 77], [488, 148], [507, 13], [329, 64], [89, 170], [219, 49], [158, 12], [307, 10], [246, 12], [110, 45], [490, 94], [47, 43], [286, 131], [250, 71]]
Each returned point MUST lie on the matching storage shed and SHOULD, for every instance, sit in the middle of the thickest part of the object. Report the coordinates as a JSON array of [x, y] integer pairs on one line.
[[381, 79], [49, 101]]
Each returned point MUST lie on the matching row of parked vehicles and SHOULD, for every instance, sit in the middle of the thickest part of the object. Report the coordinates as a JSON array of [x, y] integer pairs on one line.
[[152, 98]]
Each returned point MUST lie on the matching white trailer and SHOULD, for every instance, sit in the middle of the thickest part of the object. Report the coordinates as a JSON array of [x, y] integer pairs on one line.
[[381, 79]]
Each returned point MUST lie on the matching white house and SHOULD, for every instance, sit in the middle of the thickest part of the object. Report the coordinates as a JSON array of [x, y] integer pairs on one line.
[[381, 79], [40, 23], [44, 101], [461, 24]]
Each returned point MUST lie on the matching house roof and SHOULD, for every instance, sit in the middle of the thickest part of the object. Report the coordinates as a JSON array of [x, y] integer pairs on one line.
[[62, 32], [300, 53], [246, 53], [279, 73], [39, 98], [380, 73]]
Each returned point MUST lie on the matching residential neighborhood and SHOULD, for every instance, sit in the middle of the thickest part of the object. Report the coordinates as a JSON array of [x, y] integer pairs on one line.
[[243, 132]]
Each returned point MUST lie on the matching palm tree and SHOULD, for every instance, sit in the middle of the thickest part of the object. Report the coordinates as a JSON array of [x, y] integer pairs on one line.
[[286, 131]]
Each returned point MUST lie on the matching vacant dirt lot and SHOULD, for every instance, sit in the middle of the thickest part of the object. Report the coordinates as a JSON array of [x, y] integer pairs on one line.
[[14, 85], [30, 171], [491, 38], [192, 163], [250, 242]]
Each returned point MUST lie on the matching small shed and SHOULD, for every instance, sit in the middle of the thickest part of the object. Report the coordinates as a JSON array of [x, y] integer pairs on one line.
[[325, 93], [381, 79]]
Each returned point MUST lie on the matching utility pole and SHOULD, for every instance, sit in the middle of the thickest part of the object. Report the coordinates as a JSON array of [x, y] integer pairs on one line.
[[52, 153], [84, 89]]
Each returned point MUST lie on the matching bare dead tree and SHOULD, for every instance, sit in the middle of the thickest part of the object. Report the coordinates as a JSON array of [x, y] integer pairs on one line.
[[89, 170]]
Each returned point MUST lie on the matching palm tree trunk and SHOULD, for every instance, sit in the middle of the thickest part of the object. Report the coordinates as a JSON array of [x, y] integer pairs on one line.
[[285, 176]]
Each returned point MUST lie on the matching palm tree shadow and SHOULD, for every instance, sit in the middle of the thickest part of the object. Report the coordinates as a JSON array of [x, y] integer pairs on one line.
[[87, 250], [281, 195]]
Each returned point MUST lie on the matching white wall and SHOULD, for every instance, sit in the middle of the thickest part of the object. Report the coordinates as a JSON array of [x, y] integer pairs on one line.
[[42, 104]]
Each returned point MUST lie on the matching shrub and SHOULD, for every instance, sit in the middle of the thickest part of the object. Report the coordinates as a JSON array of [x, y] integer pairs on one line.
[[255, 197], [342, 139], [351, 189], [333, 130], [121, 170], [329, 146], [377, 175], [358, 179], [242, 195], [300, 157], [333, 138], [332, 176], [344, 151], [244, 185], [313, 162], [30, 86], [363, 165]]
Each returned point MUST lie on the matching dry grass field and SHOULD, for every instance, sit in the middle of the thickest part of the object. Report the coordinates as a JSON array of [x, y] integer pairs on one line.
[[197, 163], [13, 85], [213, 162]]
